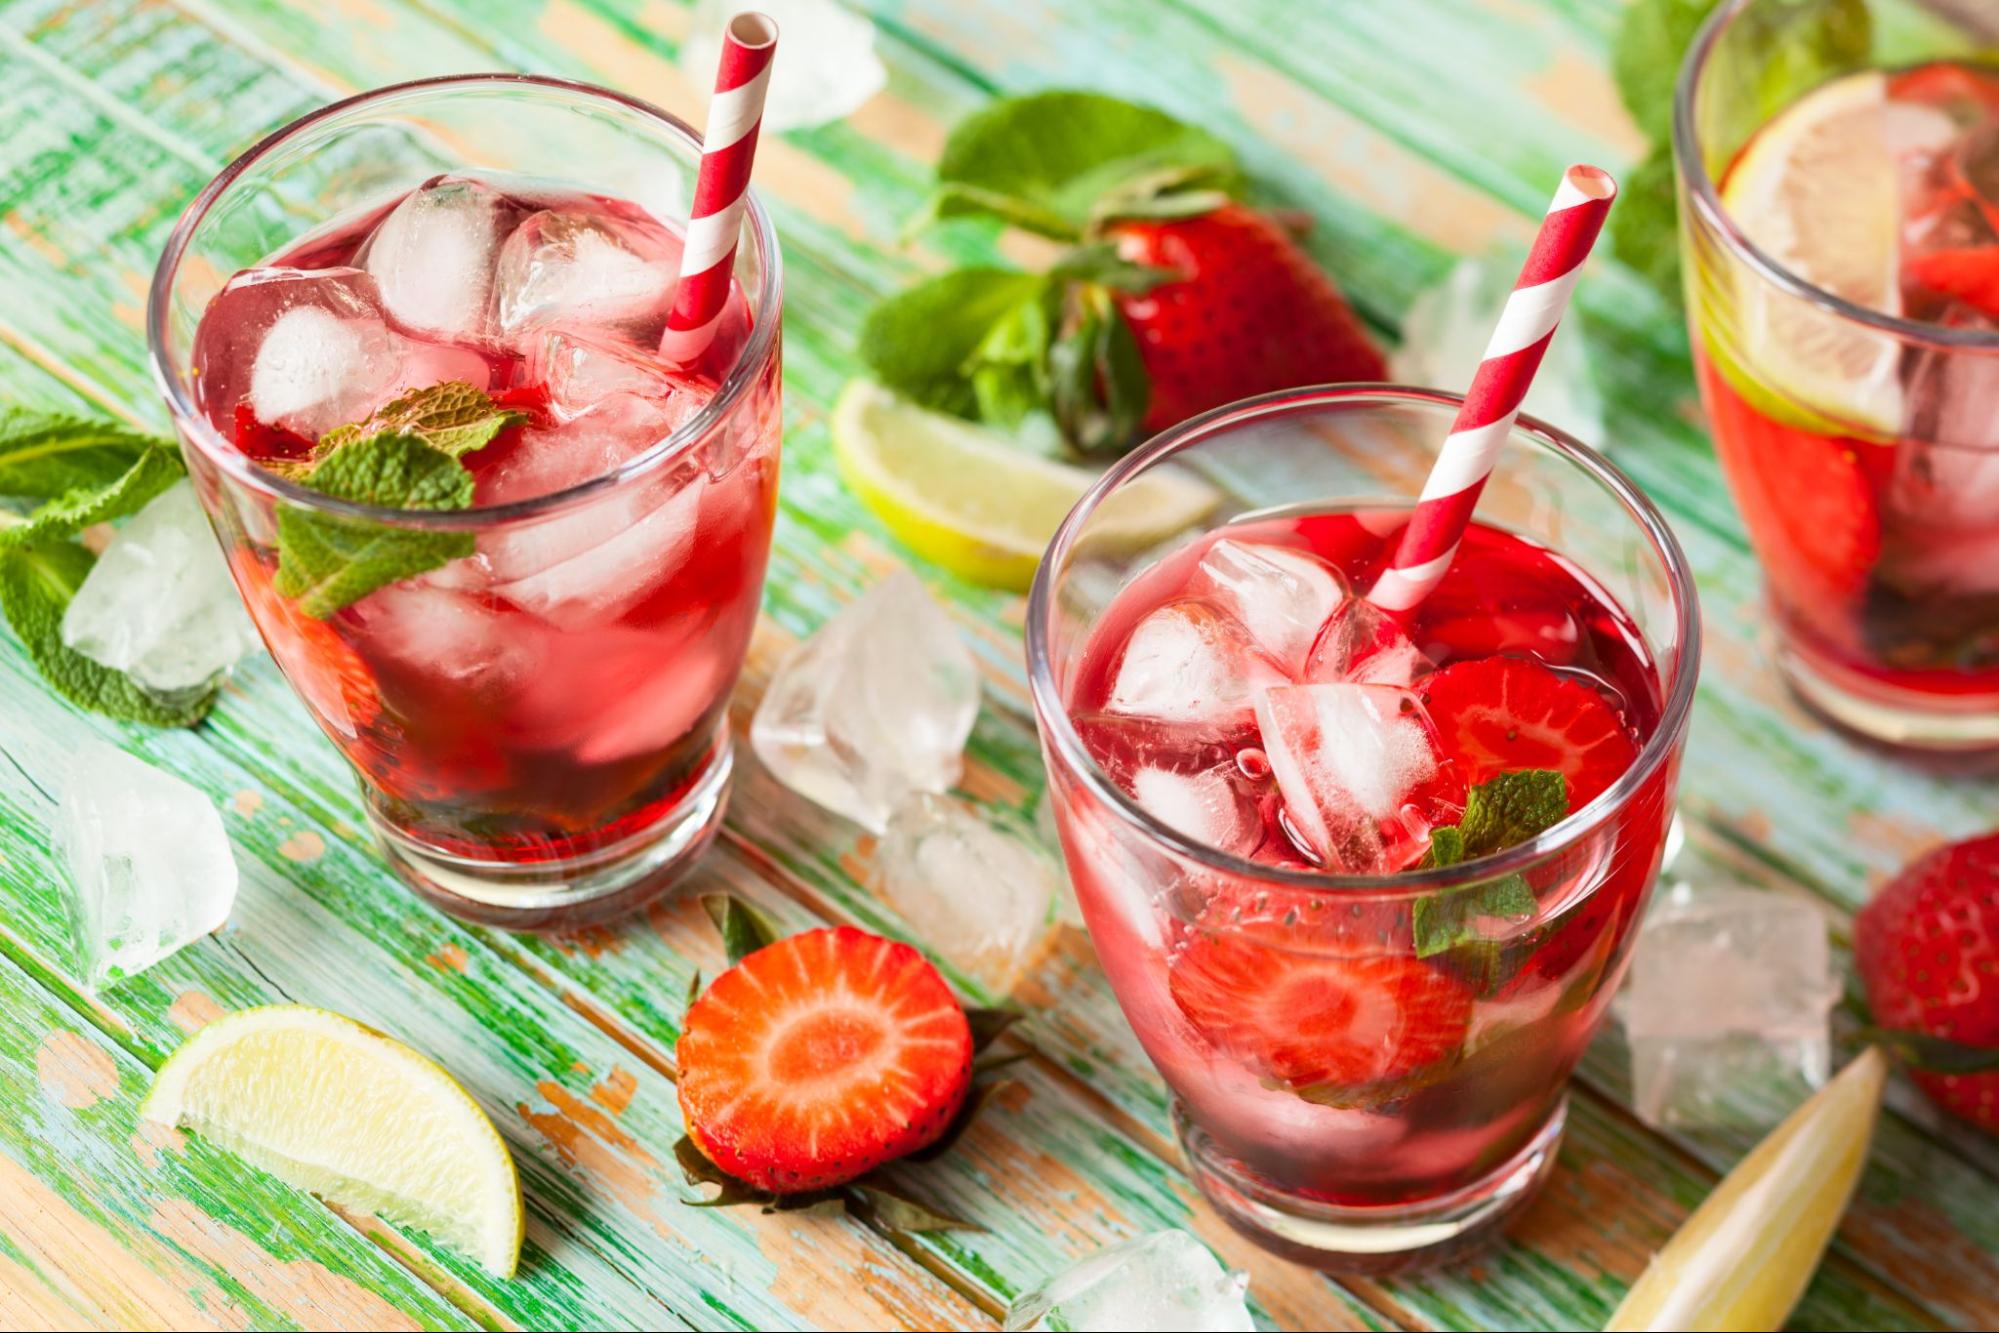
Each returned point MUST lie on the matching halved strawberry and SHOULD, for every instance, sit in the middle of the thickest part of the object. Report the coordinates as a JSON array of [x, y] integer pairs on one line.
[[820, 1057], [1325, 1024], [330, 676], [1497, 714]]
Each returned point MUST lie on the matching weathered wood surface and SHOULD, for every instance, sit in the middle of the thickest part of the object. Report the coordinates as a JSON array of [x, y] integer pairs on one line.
[[118, 110]]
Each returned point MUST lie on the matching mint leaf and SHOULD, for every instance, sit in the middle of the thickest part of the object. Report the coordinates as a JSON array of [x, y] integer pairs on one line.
[[1058, 162], [1009, 367], [1645, 58], [326, 561], [1510, 808], [36, 585], [1444, 921], [148, 473], [1644, 232], [1098, 379], [453, 418], [1447, 847], [925, 342], [48, 454]]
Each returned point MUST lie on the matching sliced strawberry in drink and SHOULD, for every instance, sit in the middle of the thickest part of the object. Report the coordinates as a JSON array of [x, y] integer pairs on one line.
[[264, 442], [1327, 1024], [329, 675], [1967, 273], [820, 1057], [1498, 714]]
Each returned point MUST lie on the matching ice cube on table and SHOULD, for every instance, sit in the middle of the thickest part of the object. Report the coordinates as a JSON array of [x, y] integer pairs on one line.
[[1726, 1010], [150, 870], [434, 256], [594, 269], [1445, 333], [159, 604], [590, 562], [1212, 806], [1166, 1281], [1281, 596], [1356, 765], [877, 704], [1191, 662], [977, 895], [311, 349], [825, 67], [1365, 645]]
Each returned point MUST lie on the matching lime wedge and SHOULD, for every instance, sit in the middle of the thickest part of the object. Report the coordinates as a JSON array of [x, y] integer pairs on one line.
[[360, 1119], [1743, 1259], [964, 497], [1818, 190]]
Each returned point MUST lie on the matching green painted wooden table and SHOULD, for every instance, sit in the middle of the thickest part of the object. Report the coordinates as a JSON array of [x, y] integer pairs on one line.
[[116, 111]]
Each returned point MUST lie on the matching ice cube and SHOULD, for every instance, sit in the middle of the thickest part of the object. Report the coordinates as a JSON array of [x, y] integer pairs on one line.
[[1211, 806], [975, 894], [434, 256], [1357, 766], [1191, 662], [1281, 596], [588, 563], [1946, 472], [159, 604], [664, 679], [825, 67], [1364, 645], [1166, 1280], [309, 350], [587, 375], [596, 269], [1728, 1000], [1445, 332], [874, 706], [150, 870], [434, 630]]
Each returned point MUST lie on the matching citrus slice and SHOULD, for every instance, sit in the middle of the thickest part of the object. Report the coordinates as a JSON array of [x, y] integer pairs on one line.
[[1818, 190], [966, 498], [1744, 1257], [360, 1119]]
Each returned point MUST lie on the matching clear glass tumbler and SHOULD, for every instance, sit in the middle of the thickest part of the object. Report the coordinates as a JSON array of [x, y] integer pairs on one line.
[[1350, 1175], [1860, 446], [529, 761]]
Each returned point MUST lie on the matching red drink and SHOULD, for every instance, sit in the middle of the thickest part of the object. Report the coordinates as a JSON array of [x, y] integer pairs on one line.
[[536, 697], [1364, 885], [1858, 440]]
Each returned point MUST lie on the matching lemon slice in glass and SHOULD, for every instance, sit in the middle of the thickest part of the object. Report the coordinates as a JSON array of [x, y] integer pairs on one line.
[[966, 498], [1818, 190], [1745, 1256], [360, 1119]]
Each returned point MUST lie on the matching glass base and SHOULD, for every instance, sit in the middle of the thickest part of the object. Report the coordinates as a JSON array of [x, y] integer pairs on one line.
[[1902, 719], [581, 891], [1386, 1238]]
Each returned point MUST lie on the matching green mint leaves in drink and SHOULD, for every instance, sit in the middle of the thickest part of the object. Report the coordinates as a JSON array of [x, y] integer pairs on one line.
[[60, 474], [405, 456], [1504, 811]]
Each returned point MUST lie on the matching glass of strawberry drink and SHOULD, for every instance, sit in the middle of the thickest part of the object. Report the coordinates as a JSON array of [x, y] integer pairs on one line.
[[508, 556], [1840, 226], [1364, 885]]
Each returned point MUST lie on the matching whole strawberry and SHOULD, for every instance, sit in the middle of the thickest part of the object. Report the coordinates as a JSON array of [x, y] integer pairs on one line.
[[1171, 299], [1246, 311], [1928, 951]]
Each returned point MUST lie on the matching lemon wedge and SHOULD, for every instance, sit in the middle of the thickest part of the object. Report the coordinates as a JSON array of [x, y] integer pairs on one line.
[[360, 1119]]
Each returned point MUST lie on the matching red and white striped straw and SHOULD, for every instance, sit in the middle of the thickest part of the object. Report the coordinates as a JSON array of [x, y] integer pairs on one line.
[[721, 187], [1492, 402]]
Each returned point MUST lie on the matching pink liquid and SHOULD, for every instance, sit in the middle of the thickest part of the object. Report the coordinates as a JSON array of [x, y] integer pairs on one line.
[[560, 689], [1301, 1030]]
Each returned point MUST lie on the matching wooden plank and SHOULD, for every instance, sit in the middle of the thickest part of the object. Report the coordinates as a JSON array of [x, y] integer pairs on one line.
[[109, 1222]]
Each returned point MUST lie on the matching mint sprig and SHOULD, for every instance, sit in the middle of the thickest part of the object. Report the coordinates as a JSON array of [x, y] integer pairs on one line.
[[1504, 811], [83, 472], [404, 456]]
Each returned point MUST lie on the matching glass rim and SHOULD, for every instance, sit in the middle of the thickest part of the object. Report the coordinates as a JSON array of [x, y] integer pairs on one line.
[[1704, 197], [196, 427], [1060, 733]]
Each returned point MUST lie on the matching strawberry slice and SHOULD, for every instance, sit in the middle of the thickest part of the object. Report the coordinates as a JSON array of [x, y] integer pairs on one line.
[[329, 675], [1331, 1024], [1496, 714], [1967, 273], [820, 1057]]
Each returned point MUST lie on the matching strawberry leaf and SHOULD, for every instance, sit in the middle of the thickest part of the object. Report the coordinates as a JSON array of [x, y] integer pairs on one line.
[[987, 1024], [1937, 1055], [1099, 383], [1047, 162], [744, 928], [976, 1102]]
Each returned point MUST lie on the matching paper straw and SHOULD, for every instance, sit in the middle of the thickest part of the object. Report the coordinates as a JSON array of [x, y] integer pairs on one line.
[[721, 187], [1437, 523]]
